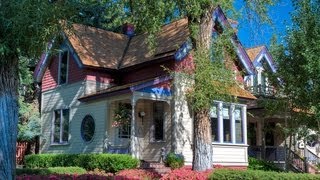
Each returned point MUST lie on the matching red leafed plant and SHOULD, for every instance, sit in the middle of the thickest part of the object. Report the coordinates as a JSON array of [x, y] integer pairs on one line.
[[186, 173], [137, 174]]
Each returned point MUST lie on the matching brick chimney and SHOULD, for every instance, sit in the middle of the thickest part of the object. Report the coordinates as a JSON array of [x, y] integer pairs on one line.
[[128, 29]]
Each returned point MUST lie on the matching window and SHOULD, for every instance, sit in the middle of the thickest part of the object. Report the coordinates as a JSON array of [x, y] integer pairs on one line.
[[228, 122], [158, 121], [63, 67], [87, 128], [124, 131], [238, 124], [226, 125], [60, 128], [214, 123], [124, 110]]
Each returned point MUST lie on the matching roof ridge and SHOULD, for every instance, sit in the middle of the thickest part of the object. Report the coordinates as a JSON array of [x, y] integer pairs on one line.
[[124, 53], [253, 47]]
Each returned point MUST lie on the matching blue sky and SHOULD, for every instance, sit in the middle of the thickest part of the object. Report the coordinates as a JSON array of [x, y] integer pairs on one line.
[[252, 34]]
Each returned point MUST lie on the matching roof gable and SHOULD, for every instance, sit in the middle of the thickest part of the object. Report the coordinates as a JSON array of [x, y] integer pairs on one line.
[[98, 48], [243, 56], [260, 53]]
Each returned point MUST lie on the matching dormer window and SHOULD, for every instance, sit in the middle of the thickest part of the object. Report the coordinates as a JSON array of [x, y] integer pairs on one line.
[[63, 67]]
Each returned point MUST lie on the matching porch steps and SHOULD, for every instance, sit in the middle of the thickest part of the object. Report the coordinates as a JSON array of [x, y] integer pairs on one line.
[[157, 167]]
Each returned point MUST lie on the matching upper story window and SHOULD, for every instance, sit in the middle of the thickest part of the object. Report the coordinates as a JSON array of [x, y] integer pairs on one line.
[[63, 67], [60, 126], [158, 121]]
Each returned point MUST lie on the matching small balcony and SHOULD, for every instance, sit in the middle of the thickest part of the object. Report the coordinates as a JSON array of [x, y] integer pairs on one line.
[[262, 90]]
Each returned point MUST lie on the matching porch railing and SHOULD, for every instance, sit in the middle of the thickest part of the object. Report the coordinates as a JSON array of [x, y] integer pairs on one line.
[[262, 90], [311, 156], [270, 153], [296, 162]]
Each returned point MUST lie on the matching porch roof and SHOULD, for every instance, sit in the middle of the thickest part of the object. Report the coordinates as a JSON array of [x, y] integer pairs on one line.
[[240, 93], [122, 89]]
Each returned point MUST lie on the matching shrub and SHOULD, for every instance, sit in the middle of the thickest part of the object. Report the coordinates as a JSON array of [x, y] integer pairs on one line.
[[65, 177], [52, 170], [186, 173], [137, 174], [107, 162], [174, 161], [223, 174], [256, 164]]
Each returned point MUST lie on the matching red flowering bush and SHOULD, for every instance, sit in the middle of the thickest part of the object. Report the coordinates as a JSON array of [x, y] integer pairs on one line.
[[137, 174], [218, 166], [186, 173], [64, 177]]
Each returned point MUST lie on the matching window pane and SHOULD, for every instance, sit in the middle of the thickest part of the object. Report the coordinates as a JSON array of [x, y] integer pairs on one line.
[[214, 129], [238, 124], [56, 127], [226, 125], [65, 133], [158, 112], [63, 67], [214, 122], [125, 129], [213, 111]]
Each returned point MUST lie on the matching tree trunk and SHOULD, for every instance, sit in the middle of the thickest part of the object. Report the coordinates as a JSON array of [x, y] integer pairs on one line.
[[8, 115], [202, 152]]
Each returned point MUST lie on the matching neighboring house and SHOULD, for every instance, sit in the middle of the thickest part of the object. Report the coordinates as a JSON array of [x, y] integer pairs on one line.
[[98, 73], [265, 138]]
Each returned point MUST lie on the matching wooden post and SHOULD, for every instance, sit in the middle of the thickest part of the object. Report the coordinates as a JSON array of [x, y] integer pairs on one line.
[[133, 137]]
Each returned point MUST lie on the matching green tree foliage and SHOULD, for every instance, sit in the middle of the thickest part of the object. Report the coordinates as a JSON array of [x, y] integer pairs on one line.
[[26, 26], [299, 65], [29, 117]]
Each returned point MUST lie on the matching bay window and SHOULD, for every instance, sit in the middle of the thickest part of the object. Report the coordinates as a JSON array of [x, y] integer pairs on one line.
[[228, 123]]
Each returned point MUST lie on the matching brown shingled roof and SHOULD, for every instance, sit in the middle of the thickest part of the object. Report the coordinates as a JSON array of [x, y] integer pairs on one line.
[[168, 40], [99, 48], [253, 52], [241, 93]]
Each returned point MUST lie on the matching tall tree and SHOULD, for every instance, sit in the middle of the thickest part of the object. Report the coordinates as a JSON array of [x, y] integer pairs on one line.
[[299, 65], [26, 26]]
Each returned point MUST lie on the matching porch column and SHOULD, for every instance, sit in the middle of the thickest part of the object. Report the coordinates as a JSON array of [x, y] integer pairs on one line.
[[220, 122], [244, 124], [133, 138], [233, 124]]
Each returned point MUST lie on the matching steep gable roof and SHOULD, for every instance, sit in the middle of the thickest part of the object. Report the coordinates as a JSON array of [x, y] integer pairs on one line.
[[168, 40], [243, 56], [98, 48], [106, 49], [260, 53], [253, 52]]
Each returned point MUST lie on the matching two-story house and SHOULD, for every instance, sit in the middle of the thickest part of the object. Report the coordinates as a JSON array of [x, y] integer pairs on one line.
[[100, 75]]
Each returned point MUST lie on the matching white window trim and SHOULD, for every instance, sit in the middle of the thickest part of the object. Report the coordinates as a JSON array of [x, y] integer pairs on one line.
[[61, 131], [231, 106], [59, 70]]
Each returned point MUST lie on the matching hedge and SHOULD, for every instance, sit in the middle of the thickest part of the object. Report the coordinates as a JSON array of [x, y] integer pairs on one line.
[[256, 164], [223, 174], [51, 170], [107, 162]]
